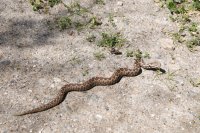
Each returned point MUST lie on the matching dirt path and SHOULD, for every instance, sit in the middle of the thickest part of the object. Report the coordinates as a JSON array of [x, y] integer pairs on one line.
[[35, 61]]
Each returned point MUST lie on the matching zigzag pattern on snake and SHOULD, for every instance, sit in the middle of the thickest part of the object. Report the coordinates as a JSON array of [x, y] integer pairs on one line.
[[95, 81]]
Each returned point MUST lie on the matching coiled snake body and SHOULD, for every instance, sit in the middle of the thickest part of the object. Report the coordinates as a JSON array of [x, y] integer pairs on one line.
[[95, 81]]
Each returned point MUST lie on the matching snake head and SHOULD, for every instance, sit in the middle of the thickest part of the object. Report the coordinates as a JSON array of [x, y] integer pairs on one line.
[[155, 66], [152, 66]]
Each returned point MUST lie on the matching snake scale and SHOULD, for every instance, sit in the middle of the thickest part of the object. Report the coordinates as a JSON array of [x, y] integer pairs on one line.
[[95, 81]]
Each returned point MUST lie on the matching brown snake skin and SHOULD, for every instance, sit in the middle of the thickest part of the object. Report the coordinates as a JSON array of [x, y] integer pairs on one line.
[[95, 81]]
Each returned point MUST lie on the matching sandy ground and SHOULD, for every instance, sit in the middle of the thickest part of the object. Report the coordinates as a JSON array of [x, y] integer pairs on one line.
[[36, 61]]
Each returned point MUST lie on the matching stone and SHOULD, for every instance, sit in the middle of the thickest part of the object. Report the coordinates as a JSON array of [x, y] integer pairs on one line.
[[5, 62], [120, 3], [98, 117]]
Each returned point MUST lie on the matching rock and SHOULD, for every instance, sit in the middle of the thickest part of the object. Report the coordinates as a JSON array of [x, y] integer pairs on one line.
[[120, 3], [167, 43], [5, 62], [98, 117]]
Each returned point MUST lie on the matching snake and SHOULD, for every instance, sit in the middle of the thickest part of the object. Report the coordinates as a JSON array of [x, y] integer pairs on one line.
[[95, 81]]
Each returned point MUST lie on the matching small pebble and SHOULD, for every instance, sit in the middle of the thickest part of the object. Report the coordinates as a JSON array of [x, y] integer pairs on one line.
[[5, 62], [120, 3], [98, 117], [152, 115]]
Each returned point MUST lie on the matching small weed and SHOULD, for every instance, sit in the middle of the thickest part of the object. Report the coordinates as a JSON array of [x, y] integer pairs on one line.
[[177, 37], [93, 22], [76, 8], [170, 75], [36, 4], [53, 2], [78, 25], [129, 53], [91, 38], [99, 56], [185, 18], [111, 20], [196, 5], [172, 18], [111, 40], [146, 55], [64, 23], [43, 4], [99, 2], [193, 27], [192, 43], [138, 54], [86, 72], [195, 83], [171, 5], [75, 60], [158, 72], [182, 28], [174, 7]]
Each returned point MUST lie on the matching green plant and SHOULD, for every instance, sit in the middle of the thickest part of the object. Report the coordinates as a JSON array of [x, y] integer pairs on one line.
[[170, 75], [64, 23], [193, 42], [78, 25], [172, 18], [196, 5], [182, 28], [36, 4], [177, 37], [175, 7], [146, 55], [54, 2], [75, 60], [99, 2], [180, 13], [111, 20], [43, 4], [185, 18], [171, 5], [193, 27], [76, 8], [93, 22], [111, 40], [99, 56], [138, 54], [129, 53]]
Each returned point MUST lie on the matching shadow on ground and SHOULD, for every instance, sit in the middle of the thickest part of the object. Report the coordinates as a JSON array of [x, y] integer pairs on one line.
[[26, 33]]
